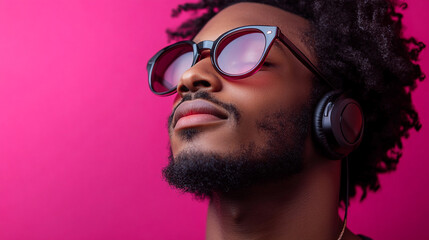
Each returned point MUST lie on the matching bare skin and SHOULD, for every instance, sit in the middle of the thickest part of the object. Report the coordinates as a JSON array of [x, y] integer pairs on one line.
[[304, 206]]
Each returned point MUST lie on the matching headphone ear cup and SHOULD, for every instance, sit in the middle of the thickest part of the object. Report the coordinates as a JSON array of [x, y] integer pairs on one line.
[[338, 124], [319, 134]]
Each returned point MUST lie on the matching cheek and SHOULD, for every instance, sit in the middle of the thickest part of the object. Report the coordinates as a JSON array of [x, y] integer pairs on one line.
[[268, 94]]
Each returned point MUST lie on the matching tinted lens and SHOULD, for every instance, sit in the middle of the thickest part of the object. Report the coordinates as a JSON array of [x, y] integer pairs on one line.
[[240, 53], [170, 66]]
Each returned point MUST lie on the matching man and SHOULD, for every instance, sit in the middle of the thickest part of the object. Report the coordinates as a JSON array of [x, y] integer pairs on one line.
[[270, 98]]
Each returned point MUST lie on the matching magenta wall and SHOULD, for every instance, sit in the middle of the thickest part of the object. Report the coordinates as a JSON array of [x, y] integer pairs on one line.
[[82, 140]]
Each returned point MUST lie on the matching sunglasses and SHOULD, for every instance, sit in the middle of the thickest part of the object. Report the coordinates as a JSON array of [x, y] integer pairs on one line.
[[236, 54]]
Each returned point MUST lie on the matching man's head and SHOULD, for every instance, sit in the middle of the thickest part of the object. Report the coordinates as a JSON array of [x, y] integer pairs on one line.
[[264, 121]]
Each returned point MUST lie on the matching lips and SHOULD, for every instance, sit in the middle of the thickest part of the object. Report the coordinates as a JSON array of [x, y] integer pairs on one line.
[[197, 112]]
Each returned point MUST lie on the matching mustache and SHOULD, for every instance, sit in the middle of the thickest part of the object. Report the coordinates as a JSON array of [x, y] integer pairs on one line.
[[230, 108]]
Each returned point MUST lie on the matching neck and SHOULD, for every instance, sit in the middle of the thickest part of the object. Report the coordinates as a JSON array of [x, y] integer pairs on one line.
[[305, 206]]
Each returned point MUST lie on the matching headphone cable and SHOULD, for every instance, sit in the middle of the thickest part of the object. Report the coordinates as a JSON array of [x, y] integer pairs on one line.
[[346, 201]]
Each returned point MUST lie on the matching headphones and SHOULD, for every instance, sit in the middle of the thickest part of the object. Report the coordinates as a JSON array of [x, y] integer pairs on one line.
[[338, 124]]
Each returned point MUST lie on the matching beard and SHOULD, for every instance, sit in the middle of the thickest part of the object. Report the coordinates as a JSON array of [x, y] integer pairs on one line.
[[205, 173]]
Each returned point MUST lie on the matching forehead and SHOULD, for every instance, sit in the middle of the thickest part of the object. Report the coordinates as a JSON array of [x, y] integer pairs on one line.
[[242, 14]]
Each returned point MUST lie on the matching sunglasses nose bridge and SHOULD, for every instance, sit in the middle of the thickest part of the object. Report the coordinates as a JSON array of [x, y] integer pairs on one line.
[[204, 49], [205, 45]]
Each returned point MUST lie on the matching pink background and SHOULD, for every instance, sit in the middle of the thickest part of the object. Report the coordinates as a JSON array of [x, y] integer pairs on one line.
[[83, 141]]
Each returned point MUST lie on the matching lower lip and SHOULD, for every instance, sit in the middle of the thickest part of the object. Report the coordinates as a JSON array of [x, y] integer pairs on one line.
[[196, 120]]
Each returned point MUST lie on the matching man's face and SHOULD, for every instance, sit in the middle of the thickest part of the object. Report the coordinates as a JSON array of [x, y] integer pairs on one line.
[[260, 119]]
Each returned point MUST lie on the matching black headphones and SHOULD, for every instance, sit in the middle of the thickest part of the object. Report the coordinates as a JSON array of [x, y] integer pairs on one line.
[[338, 124]]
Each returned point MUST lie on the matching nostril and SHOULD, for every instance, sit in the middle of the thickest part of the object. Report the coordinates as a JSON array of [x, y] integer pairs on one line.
[[183, 88], [202, 83]]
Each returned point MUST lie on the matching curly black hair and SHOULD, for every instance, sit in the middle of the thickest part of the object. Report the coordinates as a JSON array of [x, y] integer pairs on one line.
[[360, 47]]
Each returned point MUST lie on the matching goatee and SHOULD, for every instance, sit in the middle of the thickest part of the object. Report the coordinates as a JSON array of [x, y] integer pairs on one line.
[[203, 173]]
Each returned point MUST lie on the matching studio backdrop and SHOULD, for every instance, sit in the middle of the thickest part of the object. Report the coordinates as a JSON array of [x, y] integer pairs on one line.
[[83, 140]]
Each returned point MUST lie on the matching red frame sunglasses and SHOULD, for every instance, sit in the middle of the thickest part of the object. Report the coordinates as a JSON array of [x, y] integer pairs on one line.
[[167, 66]]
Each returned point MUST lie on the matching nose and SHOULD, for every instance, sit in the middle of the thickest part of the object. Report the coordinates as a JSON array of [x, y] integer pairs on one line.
[[200, 77]]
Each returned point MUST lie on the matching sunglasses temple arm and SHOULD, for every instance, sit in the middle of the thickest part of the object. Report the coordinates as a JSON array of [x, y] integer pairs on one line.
[[304, 60]]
